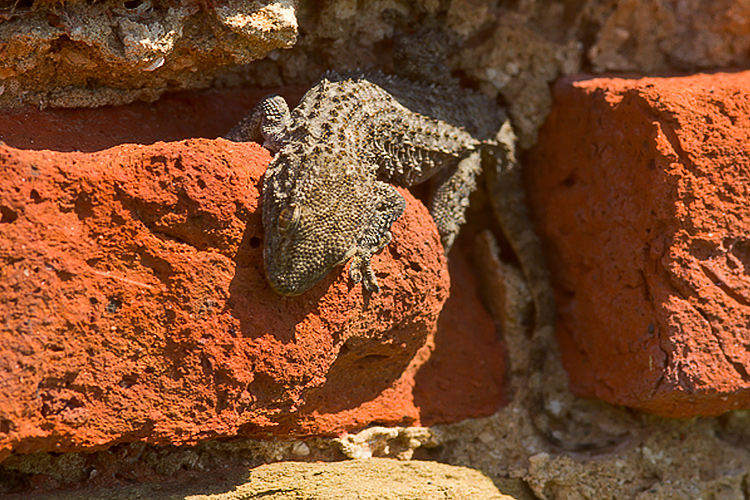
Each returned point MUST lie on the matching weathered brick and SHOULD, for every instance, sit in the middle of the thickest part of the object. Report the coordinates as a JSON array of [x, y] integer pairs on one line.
[[133, 305], [640, 188]]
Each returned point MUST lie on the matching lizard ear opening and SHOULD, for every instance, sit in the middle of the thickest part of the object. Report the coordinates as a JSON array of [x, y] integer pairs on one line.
[[288, 218]]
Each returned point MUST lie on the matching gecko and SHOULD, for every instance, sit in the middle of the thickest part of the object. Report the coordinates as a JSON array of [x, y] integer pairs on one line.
[[328, 195]]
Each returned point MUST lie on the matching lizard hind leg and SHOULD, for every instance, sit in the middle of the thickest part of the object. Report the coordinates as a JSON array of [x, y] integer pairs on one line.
[[450, 198], [266, 123], [388, 206]]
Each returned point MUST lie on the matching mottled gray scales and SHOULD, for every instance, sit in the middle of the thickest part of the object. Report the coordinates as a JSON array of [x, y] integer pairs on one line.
[[328, 195]]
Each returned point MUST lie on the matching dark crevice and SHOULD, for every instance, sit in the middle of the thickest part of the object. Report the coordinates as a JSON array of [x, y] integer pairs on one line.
[[728, 291], [7, 215], [113, 305]]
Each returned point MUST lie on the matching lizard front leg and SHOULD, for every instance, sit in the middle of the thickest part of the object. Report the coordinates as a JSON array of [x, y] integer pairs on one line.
[[267, 124], [388, 206]]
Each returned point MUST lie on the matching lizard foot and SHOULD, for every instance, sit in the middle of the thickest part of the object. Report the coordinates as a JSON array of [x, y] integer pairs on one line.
[[360, 270]]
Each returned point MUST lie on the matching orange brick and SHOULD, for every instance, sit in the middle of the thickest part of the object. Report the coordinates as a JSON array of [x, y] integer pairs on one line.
[[641, 188]]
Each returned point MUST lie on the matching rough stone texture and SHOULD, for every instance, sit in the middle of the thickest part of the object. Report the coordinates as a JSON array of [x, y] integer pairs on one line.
[[90, 54], [137, 308], [640, 189], [517, 60], [510, 51], [661, 459], [372, 479], [513, 50], [151, 254], [620, 454], [139, 462], [82, 54], [594, 450], [653, 36]]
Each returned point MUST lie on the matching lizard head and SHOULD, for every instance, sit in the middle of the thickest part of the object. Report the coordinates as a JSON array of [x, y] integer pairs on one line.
[[313, 208]]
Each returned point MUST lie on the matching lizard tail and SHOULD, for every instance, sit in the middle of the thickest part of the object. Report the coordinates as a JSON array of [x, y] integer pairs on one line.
[[509, 206]]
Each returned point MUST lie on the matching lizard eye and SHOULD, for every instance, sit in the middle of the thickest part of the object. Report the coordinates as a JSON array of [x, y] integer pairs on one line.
[[288, 218]]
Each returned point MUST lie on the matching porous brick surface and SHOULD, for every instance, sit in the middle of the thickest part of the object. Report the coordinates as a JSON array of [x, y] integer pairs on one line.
[[135, 306], [640, 188]]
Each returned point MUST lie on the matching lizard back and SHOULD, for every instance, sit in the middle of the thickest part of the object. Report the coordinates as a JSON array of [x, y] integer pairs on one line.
[[404, 129]]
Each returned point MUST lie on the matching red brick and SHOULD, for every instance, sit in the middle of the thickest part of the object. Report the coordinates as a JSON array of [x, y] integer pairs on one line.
[[134, 306], [640, 188]]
